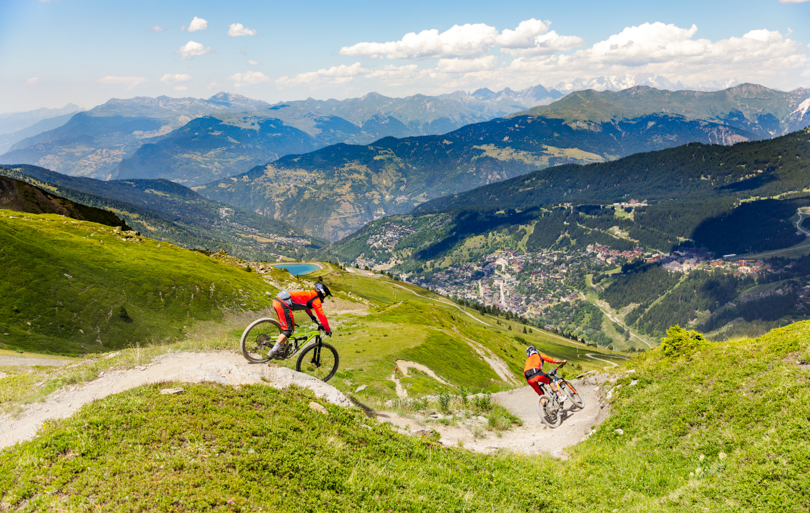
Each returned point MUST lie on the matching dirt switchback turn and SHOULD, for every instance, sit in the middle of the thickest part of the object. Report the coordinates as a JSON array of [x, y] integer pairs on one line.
[[220, 367], [533, 437]]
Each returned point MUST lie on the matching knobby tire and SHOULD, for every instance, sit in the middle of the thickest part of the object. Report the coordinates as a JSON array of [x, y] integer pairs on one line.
[[551, 420], [321, 363], [258, 339], [573, 395]]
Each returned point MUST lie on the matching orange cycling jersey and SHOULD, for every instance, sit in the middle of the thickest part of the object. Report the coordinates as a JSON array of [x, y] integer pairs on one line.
[[536, 360], [307, 300]]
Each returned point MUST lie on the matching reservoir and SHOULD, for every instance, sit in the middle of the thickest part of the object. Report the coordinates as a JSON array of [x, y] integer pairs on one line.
[[296, 269]]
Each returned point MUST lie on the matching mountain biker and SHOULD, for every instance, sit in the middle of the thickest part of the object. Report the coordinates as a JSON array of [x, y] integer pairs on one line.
[[533, 371], [285, 303]]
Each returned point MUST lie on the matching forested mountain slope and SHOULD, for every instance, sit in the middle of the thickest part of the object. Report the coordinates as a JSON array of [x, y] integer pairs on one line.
[[753, 169], [763, 112], [333, 191]]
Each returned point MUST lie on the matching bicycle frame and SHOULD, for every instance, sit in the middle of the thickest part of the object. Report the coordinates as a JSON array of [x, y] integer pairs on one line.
[[296, 343]]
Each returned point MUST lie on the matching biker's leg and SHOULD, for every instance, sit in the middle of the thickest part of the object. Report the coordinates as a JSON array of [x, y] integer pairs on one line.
[[285, 318], [282, 338], [535, 384]]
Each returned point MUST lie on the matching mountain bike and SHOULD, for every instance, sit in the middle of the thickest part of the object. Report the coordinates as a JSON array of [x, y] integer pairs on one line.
[[551, 414], [317, 359]]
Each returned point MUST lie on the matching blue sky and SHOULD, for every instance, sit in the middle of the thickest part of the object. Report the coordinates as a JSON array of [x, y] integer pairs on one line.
[[88, 51]]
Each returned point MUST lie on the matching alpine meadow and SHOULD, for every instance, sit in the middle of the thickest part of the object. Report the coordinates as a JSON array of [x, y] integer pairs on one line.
[[411, 258]]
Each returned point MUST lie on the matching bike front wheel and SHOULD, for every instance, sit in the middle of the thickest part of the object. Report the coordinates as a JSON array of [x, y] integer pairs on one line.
[[259, 338], [319, 361], [573, 395], [549, 414]]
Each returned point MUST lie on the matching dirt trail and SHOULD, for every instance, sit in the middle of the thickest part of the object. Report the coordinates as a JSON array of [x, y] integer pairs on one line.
[[231, 368], [220, 367], [531, 438]]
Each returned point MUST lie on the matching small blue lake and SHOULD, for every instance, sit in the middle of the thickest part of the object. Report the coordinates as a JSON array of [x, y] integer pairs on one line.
[[296, 269]]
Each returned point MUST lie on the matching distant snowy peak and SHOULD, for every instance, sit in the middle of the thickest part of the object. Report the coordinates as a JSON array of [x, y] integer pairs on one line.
[[620, 82], [802, 109]]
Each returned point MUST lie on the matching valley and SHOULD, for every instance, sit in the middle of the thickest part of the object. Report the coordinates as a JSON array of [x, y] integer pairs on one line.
[[655, 240]]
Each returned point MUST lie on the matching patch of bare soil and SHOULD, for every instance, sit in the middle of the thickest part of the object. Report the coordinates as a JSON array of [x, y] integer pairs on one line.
[[533, 437]]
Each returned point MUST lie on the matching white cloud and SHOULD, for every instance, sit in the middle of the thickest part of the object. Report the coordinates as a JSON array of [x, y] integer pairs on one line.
[[192, 49], [253, 63], [531, 37], [213, 84], [248, 78], [197, 24], [180, 88], [130, 82], [237, 30], [793, 1], [172, 79], [31, 81], [472, 56], [156, 28], [459, 41]]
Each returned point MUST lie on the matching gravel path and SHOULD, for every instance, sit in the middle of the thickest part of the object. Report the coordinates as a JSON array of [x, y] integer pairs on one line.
[[531, 438], [220, 367], [231, 368]]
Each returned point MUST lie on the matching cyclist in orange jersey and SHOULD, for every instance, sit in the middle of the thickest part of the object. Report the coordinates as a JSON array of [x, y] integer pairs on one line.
[[308, 300], [533, 372]]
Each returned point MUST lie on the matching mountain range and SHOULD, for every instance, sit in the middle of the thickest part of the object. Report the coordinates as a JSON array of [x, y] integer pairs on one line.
[[334, 191], [104, 141]]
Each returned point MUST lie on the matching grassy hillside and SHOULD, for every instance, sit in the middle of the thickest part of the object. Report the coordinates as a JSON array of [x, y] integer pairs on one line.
[[23, 197], [75, 287], [164, 210], [695, 426]]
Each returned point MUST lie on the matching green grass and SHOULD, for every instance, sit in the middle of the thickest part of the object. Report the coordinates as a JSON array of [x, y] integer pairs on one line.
[[706, 427], [252, 449], [73, 287]]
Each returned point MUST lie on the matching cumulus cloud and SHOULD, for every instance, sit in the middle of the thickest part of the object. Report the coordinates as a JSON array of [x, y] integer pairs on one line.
[[237, 30], [248, 78], [458, 41], [472, 56], [469, 41], [31, 81], [130, 82], [192, 49], [175, 79], [197, 24], [156, 28], [253, 63]]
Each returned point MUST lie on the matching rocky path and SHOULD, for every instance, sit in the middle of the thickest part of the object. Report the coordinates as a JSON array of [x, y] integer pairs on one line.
[[225, 367], [531, 438], [231, 368]]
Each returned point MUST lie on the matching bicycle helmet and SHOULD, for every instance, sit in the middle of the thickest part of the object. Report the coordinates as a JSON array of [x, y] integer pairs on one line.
[[530, 351], [322, 290]]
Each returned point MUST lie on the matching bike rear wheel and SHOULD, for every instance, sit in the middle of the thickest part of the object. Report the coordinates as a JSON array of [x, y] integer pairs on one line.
[[549, 414], [319, 361], [573, 395], [259, 338]]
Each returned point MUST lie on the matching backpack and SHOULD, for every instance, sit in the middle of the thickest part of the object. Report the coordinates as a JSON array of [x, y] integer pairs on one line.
[[285, 298]]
